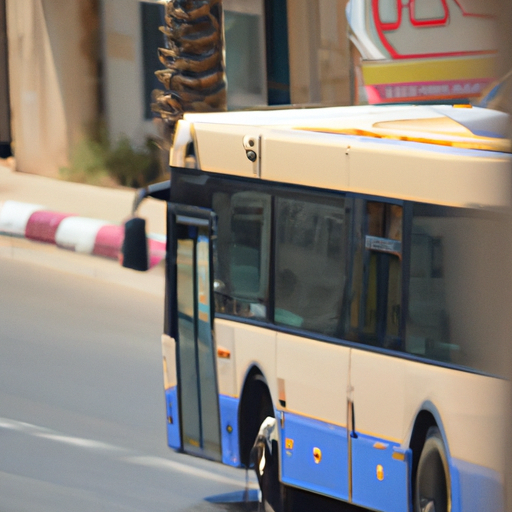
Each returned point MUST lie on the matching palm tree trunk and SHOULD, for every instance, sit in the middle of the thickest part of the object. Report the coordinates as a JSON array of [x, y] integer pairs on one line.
[[194, 74]]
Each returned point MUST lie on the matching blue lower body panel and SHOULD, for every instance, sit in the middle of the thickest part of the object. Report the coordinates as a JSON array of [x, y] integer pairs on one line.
[[229, 430], [173, 420], [314, 456], [476, 488], [380, 474]]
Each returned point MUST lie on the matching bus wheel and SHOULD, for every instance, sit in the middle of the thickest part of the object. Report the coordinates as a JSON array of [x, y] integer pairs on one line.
[[432, 491], [265, 460]]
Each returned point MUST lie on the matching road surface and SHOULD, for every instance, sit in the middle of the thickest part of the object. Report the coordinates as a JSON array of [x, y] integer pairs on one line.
[[82, 415]]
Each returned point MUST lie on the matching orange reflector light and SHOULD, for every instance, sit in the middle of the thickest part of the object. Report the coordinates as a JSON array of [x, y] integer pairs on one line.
[[223, 353], [398, 456]]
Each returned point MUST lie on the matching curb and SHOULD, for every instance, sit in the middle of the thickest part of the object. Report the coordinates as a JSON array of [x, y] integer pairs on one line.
[[69, 231]]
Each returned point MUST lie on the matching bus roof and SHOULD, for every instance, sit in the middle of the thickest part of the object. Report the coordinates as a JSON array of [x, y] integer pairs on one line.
[[455, 155]]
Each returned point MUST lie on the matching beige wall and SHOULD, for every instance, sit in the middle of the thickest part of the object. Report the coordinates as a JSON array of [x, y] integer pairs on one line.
[[124, 78], [319, 56], [54, 48], [53, 79]]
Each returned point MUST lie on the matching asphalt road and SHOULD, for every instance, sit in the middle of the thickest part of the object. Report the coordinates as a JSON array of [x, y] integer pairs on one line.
[[82, 417]]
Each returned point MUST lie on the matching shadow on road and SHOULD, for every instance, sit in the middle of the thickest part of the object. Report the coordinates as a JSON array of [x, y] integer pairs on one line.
[[240, 501], [299, 501]]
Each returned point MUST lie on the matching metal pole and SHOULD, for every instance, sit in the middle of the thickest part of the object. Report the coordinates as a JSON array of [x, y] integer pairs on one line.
[[5, 110]]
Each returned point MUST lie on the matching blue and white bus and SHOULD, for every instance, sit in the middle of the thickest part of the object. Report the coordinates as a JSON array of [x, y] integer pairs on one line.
[[329, 270]]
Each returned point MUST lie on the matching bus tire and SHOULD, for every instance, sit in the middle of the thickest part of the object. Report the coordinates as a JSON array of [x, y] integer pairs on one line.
[[256, 405], [265, 461], [432, 489]]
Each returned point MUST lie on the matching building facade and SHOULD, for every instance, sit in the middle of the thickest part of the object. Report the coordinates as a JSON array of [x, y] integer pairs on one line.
[[74, 63]]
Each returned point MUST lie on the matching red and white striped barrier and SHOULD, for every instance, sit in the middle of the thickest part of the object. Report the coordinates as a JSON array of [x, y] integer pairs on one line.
[[14, 217], [69, 231]]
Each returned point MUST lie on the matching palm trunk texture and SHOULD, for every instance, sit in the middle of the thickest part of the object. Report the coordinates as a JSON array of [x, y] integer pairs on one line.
[[194, 74]]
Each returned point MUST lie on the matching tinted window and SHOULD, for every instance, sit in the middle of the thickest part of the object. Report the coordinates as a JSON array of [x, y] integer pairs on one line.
[[374, 310], [454, 287], [310, 265], [242, 251]]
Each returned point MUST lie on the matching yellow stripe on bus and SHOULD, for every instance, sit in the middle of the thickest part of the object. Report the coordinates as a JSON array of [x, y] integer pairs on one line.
[[480, 143]]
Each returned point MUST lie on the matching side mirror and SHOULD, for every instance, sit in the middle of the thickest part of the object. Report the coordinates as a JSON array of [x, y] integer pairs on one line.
[[135, 245]]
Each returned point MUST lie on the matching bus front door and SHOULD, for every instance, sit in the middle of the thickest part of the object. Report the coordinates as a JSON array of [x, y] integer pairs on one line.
[[191, 324]]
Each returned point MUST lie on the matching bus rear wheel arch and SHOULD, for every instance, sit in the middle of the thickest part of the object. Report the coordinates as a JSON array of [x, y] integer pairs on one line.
[[255, 405], [432, 489]]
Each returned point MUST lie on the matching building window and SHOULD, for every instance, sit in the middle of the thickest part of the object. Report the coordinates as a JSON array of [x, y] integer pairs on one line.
[[152, 18]]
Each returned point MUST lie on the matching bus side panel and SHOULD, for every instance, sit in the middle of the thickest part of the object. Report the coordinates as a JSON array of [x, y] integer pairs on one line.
[[228, 395], [378, 383], [239, 347], [255, 346], [472, 180], [468, 407], [228, 406], [313, 379], [389, 392], [225, 345], [380, 472], [173, 424], [171, 391], [469, 411], [476, 488], [314, 456]]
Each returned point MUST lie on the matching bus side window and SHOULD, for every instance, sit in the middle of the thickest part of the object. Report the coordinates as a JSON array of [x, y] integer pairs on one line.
[[241, 254], [374, 315], [453, 289], [310, 264]]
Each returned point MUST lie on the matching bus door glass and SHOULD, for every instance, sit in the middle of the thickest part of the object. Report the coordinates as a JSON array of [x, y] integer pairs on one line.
[[191, 324], [379, 466], [375, 309]]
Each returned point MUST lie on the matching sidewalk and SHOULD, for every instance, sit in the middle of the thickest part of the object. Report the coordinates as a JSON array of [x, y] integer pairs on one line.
[[111, 205], [71, 214]]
